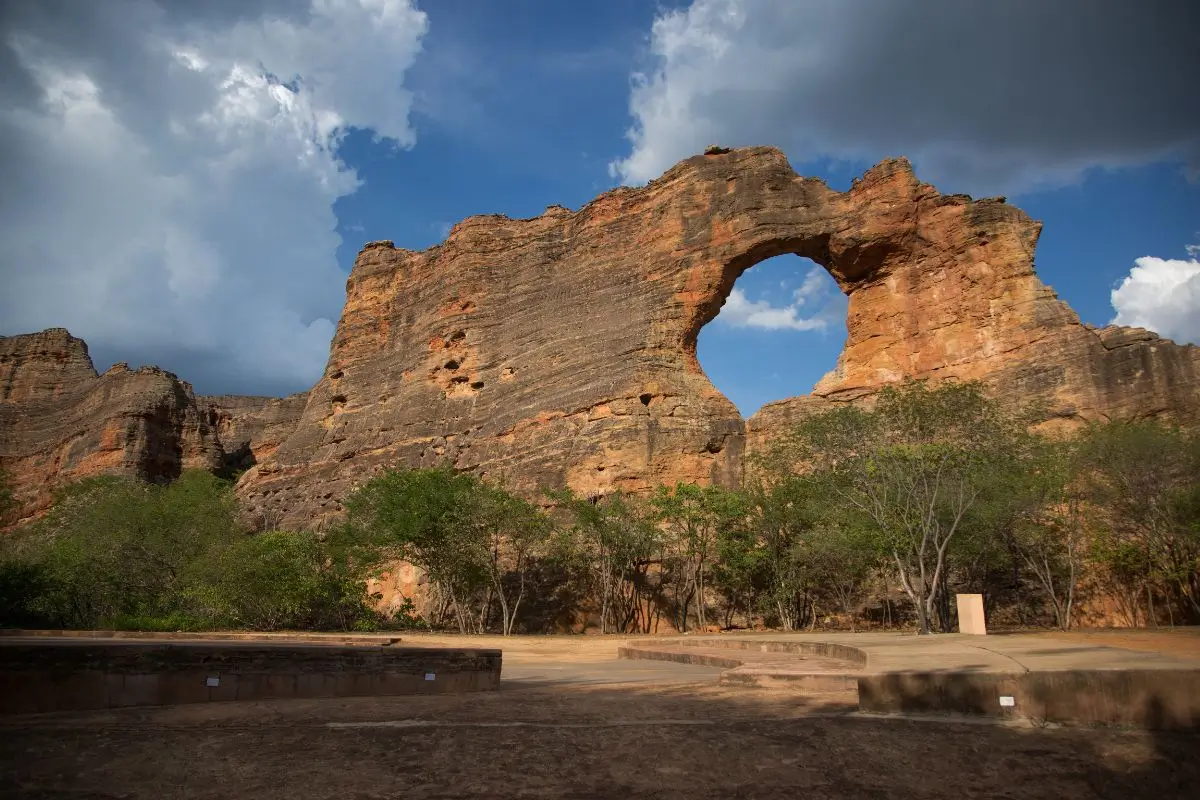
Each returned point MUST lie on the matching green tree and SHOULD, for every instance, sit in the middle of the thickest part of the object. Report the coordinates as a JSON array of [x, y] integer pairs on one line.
[[1039, 512], [614, 542], [692, 517], [741, 570], [809, 549], [276, 580], [784, 514], [1142, 481], [113, 549], [917, 468], [414, 515], [514, 534], [473, 541]]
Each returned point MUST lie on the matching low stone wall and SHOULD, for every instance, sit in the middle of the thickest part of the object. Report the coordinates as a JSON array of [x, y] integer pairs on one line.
[[641, 651], [77, 674], [209, 636], [1159, 699]]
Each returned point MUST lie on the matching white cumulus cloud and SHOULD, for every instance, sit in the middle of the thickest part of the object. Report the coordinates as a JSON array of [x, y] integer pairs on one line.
[[1162, 295], [740, 311], [171, 170], [987, 98]]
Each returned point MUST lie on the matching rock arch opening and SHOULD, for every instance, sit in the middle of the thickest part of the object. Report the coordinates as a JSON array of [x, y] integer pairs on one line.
[[779, 330]]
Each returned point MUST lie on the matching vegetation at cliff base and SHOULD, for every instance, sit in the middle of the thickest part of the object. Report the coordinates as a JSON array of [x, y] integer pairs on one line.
[[858, 518], [116, 553]]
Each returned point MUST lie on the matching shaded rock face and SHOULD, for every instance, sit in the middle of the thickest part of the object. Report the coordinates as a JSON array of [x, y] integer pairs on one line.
[[251, 428], [562, 349], [61, 422]]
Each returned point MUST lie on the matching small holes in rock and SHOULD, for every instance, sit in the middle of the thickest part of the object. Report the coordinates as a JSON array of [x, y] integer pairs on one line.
[[338, 399], [451, 365], [335, 375], [477, 385], [714, 447], [645, 398], [599, 469], [459, 379], [457, 336]]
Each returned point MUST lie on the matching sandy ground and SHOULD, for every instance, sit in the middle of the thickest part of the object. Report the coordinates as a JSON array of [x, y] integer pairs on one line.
[[568, 723], [1169, 641]]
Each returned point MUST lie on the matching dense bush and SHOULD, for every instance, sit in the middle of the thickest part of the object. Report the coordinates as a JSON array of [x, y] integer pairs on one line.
[[115, 553]]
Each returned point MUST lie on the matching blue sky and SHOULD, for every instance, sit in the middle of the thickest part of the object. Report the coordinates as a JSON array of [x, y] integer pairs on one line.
[[215, 169]]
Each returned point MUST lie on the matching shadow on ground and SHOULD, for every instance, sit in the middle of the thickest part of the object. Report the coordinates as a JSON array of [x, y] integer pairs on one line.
[[543, 740]]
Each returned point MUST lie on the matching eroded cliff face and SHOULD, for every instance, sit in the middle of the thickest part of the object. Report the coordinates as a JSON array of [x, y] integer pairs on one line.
[[561, 349], [249, 428], [60, 421]]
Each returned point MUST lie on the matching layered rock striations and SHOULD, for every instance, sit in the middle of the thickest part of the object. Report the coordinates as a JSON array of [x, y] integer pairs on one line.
[[562, 349], [60, 421]]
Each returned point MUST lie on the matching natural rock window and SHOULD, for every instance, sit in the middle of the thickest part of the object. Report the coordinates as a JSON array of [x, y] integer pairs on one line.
[[779, 331]]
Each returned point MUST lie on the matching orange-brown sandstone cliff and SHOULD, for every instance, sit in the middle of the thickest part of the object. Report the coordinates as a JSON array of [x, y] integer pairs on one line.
[[561, 349], [61, 422]]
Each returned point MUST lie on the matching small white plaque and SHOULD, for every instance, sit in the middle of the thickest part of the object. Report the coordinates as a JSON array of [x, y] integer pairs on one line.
[[1007, 702], [429, 676], [212, 681]]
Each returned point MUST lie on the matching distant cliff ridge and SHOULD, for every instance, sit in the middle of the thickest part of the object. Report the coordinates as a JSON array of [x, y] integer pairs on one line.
[[60, 421]]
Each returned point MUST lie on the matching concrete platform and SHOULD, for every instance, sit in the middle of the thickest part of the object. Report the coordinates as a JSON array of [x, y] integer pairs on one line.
[[45, 673], [999, 675]]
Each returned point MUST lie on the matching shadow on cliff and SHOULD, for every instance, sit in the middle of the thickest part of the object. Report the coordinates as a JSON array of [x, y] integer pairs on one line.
[[235, 462]]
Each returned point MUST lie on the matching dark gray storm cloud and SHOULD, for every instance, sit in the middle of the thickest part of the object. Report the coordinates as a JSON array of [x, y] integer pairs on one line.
[[987, 97]]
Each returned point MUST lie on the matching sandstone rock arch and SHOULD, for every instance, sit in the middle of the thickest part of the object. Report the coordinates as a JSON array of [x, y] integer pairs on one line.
[[562, 349]]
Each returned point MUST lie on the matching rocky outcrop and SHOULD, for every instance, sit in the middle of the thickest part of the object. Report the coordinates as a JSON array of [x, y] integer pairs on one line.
[[562, 349], [60, 421]]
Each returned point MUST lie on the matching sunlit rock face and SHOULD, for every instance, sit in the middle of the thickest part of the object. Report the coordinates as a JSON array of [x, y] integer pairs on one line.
[[562, 349]]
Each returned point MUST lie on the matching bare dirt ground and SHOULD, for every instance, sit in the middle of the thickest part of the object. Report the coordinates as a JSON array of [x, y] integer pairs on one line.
[[568, 723], [693, 741]]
